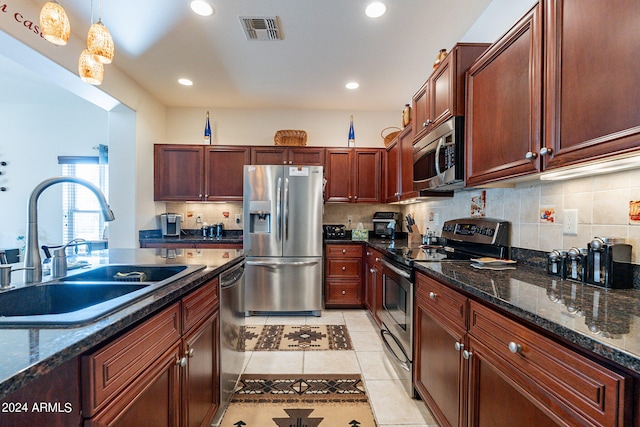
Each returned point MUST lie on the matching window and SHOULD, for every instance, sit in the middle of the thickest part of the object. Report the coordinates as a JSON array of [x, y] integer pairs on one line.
[[81, 213]]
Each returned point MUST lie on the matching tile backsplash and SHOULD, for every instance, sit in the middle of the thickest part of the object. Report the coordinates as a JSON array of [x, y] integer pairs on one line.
[[535, 210]]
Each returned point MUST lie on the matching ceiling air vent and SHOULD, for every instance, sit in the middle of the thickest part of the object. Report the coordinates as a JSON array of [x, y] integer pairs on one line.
[[261, 27]]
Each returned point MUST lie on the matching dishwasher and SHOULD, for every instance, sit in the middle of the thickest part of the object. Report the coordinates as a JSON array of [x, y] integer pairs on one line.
[[232, 353]]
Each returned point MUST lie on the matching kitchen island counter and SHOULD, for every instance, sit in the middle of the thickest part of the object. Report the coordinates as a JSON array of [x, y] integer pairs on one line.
[[28, 353]]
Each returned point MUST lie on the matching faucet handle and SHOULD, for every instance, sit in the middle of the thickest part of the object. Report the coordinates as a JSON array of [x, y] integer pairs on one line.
[[3, 258]]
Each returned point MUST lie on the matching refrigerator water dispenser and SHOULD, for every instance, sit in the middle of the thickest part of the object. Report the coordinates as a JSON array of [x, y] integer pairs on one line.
[[260, 216]]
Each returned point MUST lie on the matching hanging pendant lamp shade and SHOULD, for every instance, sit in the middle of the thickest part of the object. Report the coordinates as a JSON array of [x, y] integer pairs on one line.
[[55, 23], [90, 68], [100, 43]]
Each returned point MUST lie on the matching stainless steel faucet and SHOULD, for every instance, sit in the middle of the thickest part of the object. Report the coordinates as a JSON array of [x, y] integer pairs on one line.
[[32, 260]]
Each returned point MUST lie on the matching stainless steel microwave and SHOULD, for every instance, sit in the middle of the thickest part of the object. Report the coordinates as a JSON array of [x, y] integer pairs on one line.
[[438, 158]]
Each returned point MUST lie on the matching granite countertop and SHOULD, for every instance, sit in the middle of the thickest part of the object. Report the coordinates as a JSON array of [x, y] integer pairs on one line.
[[28, 353], [605, 322], [190, 236]]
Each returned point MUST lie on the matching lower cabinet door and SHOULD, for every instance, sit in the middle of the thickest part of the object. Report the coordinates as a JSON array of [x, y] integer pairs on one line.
[[201, 382], [152, 400], [495, 401], [438, 367]]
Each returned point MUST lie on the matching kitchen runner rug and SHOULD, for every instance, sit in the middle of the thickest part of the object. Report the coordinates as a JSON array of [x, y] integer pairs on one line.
[[299, 400], [290, 337]]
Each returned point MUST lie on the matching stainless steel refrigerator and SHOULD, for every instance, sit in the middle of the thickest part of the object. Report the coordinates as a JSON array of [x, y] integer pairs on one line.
[[283, 237]]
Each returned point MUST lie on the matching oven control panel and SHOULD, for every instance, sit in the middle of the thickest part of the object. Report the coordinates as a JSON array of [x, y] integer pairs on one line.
[[477, 230]]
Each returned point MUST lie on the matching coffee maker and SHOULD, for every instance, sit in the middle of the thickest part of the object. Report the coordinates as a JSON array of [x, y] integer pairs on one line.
[[170, 223], [609, 263]]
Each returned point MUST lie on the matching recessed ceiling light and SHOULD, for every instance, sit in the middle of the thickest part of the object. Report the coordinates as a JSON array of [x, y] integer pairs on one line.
[[375, 9], [201, 7], [352, 85], [185, 82]]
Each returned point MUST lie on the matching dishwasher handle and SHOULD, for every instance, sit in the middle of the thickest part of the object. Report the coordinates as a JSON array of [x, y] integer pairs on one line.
[[232, 276]]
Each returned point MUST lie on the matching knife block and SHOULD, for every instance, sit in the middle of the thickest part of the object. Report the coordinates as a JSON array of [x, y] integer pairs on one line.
[[414, 236]]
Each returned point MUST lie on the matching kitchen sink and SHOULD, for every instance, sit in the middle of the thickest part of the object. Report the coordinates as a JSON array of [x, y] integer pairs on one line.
[[86, 296]]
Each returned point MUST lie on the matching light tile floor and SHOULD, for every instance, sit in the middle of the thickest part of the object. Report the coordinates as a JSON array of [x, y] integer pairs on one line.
[[391, 405]]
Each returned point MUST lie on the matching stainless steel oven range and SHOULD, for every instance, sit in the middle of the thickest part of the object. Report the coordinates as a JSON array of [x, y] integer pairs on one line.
[[461, 240]]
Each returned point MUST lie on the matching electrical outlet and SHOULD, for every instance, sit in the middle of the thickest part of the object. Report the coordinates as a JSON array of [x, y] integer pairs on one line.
[[570, 222], [349, 218], [238, 218]]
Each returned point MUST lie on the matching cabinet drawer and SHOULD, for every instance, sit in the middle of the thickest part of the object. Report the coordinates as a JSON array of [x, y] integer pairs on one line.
[[199, 304], [565, 380], [374, 259], [343, 292], [444, 300], [344, 251], [344, 268], [109, 370]]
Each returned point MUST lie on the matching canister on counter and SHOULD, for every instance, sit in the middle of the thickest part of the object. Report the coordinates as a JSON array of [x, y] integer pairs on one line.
[[575, 266], [609, 263], [555, 262]]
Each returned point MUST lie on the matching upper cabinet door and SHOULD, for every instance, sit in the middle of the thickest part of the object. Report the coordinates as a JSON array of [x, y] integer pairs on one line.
[[338, 174], [178, 172], [503, 115], [268, 155], [593, 90], [367, 178], [308, 156], [225, 172]]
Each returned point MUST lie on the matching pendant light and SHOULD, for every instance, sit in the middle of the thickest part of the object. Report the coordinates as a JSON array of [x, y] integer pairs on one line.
[[55, 23], [90, 68], [99, 40]]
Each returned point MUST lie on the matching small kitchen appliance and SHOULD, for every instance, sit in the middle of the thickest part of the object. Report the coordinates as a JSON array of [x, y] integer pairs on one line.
[[609, 263], [170, 223], [334, 231], [381, 222]]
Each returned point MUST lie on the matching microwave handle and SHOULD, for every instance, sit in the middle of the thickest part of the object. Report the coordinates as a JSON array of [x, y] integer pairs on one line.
[[440, 145]]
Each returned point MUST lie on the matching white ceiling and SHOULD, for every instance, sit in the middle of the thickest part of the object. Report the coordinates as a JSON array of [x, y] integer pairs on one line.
[[326, 44]]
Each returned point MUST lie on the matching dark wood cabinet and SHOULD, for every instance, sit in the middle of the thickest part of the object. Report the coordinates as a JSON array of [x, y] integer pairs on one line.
[[178, 172], [199, 173], [224, 167], [591, 104], [353, 175], [504, 91], [343, 275], [373, 284], [443, 94], [476, 367], [398, 167], [307, 156], [163, 372]]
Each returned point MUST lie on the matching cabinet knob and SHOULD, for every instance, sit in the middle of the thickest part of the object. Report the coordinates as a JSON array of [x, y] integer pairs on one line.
[[355, 197], [368, 253], [206, 196], [344, 268], [190, 353], [514, 347], [433, 295], [344, 292], [546, 151], [459, 346], [427, 123], [200, 195], [344, 251], [530, 155], [181, 362], [466, 354], [290, 162], [377, 259]]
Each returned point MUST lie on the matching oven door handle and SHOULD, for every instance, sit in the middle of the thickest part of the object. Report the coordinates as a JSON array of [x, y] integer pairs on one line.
[[396, 270], [403, 363]]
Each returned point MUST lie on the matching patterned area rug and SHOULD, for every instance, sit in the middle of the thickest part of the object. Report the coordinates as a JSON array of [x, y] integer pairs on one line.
[[288, 337], [299, 400]]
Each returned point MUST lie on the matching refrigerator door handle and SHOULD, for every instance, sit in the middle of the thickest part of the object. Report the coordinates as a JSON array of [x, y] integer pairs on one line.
[[286, 208], [279, 211], [276, 265]]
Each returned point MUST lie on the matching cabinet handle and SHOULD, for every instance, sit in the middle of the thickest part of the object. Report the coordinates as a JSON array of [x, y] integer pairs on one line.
[[433, 295], [206, 196], [181, 362], [344, 292], [459, 346], [371, 270], [368, 253], [377, 259], [344, 268], [200, 195], [530, 155], [546, 151], [427, 123], [515, 348], [190, 353], [466, 354]]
